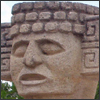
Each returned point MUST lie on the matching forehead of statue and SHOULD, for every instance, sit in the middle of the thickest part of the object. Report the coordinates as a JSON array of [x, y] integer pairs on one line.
[[59, 37]]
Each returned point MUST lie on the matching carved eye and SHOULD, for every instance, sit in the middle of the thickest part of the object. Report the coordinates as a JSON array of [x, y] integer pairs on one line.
[[19, 48], [50, 47]]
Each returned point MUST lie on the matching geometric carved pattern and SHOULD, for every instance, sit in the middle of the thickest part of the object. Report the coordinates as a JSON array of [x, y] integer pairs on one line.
[[90, 48], [5, 65], [92, 33], [90, 60], [6, 43], [91, 30]]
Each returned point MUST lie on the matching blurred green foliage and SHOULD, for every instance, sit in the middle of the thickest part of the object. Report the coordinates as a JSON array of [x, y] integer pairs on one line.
[[97, 92], [10, 92]]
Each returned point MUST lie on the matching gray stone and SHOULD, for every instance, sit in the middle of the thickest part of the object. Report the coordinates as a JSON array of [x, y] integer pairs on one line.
[[60, 15], [37, 27], [31, 16]]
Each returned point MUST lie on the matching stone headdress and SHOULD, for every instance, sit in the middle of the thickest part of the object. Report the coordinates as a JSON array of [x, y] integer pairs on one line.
[[39, 17]]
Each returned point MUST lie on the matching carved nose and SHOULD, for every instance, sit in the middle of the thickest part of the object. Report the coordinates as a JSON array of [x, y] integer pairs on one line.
[[32, 61]]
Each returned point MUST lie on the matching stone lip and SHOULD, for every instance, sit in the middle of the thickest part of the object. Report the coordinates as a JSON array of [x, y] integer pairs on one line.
[[5, 25], [32, 79]]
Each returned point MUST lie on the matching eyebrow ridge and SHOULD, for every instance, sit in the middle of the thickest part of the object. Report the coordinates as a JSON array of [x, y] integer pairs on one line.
[[49, 40], [18, 42]]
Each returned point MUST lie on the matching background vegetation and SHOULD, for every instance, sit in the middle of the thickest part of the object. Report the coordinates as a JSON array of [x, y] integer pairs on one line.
[[10, 92]]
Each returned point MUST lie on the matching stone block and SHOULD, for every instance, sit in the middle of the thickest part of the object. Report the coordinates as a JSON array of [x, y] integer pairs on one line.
[[82, 17], [79, 7], [96, 10], [60, 15], [79, 29], [90, 9], [16, 8], [14, 30], [25, 28], [39, 5], [27, 6], [45, 15], [37, 27], [51, 26], [53, 5], [31, 16], [65, 27], [66, 5], [20, 17], [73, 16]]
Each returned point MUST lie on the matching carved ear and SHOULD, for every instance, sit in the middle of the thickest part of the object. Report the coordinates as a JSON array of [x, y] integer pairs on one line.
[[6, 44], [90, 48]]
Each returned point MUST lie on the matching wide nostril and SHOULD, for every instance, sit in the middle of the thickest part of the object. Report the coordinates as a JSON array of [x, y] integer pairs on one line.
[[31, 62], [28, 62]]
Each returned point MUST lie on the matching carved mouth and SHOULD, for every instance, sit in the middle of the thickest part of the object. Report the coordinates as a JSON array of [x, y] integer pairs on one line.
[[32, 79]]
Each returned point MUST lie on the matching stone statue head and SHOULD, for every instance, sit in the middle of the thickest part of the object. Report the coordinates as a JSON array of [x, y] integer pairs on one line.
[[55, 48]]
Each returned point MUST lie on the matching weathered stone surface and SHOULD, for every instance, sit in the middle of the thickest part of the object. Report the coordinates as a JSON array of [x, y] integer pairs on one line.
[[53, 5], [16, 8], [6, 62], [51, 27], [73, 16], [65, 27], [4, 56], [27, 6], [80, 29], [12, 19], [39, 5], [4, 68], [90, 45], [6, 75], [82, 17], [37, 27], [96, 10], [5, 25], [60, 15], [9, 43], [25, 28], [19, 17], [3, 43], [8, 37], [90, 9], [58, 55], [31, 16], [6, 50], [45, 15], [90, 58], [66, 5], [79, 7], [14, 30], [92, 33]]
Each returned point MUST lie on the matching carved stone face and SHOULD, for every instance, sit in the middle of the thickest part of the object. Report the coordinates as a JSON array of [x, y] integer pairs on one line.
[[47, 63]]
